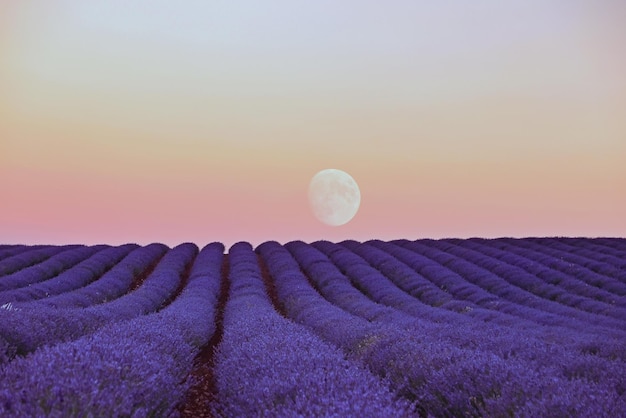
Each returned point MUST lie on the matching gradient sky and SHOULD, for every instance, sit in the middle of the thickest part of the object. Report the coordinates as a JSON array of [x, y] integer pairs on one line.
[[204, 121]]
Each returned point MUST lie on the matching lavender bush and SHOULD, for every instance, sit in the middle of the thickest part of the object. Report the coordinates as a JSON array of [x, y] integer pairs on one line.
[[427, 328], [268, 366], [30, 327], [30, 257], [135, 368], [47, 269], [71, 279]]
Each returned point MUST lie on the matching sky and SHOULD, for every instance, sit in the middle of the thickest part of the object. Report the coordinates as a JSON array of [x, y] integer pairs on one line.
[[194, 121]]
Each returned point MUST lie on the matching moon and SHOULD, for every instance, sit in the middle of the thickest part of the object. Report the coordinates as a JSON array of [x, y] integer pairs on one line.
[[334, 197]]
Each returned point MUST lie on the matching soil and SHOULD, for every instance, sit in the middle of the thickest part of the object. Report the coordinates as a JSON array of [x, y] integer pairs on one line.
[[203, 391]]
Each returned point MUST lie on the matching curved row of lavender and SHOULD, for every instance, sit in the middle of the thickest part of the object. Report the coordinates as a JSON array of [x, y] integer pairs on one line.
[[135, 367], [28, 326], [448, 379], [15, 259], [47, 279], [454, 327], [267, 365]]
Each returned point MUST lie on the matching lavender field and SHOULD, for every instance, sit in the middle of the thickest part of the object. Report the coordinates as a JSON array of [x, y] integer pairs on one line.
[[532, 327]]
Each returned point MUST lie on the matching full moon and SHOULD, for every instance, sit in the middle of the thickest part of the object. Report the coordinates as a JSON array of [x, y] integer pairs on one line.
[[334, 196]]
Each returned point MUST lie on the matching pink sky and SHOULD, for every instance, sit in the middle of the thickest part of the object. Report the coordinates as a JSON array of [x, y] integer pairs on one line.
[[168, 122]]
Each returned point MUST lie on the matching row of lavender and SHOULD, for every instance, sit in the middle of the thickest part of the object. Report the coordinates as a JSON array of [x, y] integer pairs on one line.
[[449, 327], [129, 356], [269, 366], [450, 364]]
